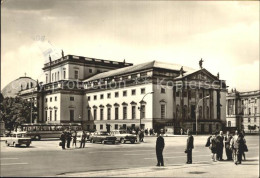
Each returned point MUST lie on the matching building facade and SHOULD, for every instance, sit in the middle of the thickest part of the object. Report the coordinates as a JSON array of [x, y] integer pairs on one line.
[[104, 94], [243, 110]]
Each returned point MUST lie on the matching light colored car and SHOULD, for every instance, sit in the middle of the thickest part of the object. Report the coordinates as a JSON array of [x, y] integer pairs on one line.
[[122, 136], [18, 139], [102, 137], [79, 135]]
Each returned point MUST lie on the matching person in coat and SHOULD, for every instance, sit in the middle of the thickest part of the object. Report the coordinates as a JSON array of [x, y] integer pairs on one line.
[[189, 148], [233, 146], [68, 137], [220, 146], [63, 140], [239, 145], [83, 140], [213, 146], [159, 149], [227, 140], [74, 142]]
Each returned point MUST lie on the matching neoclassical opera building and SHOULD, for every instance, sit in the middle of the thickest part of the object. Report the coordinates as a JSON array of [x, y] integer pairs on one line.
[[101, 93]]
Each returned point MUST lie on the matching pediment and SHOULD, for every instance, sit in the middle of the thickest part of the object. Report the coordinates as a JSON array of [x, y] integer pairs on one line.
[[202, 75]]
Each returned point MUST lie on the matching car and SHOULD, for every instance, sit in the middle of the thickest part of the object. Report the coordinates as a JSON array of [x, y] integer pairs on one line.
[[103, 137], [122, 136], [18, 139], [79, 135]]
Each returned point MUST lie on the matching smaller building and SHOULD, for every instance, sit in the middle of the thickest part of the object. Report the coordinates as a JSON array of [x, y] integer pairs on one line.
[[243, 110]]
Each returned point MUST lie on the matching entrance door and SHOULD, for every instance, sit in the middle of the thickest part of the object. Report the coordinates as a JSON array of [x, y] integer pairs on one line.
[[193, 112], [210, 128]]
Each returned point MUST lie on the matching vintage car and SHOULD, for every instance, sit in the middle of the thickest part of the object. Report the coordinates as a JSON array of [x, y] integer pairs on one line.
[[103, 137], [122, 136], [79, 135], [18, 139]]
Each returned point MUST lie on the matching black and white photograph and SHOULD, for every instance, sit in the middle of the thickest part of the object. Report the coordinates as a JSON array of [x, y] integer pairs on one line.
[[110, 88]]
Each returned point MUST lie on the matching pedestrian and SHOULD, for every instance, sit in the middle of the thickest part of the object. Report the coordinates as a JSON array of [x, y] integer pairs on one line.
[[245, 146], [233, 146], [213, 146], [188, 131], [151, 131], [181, 131], [220, 146], [239, 145], [68, 137], [83, 140], [159, 149], [189, 148], [228, 150], [146, 131], [142, 135], [63, 140], [74, 139]]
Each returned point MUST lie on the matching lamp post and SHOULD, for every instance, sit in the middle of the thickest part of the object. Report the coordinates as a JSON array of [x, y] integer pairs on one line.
[[140, 108], [197, 114]]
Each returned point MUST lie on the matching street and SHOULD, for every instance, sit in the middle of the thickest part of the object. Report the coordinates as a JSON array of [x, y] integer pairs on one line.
[[45, 158]]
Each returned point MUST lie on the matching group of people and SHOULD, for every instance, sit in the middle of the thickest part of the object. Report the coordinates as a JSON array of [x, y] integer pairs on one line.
[[68, 135], [235, 146]]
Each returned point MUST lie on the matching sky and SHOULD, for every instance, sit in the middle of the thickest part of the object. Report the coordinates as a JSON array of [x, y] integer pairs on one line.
[[225, 34]]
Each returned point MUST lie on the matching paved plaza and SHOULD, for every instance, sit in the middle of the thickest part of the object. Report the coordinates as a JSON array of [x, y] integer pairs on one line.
[[45, 158]]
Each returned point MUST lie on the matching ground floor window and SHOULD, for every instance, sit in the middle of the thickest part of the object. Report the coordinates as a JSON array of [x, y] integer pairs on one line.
[[116, 126], [229, 123], [71, 115], [101, 126]]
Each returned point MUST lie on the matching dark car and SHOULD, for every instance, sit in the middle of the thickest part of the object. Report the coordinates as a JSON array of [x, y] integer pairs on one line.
[[103, 137]]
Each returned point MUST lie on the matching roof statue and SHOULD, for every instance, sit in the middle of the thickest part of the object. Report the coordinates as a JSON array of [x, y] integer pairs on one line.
[[181, 71], [62, 53], [124, 61], [200, 63], [25, 74], [218, 75], [232, 90], [49, 58]]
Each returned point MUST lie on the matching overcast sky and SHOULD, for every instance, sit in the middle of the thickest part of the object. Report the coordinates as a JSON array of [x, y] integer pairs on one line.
[[224, 34]]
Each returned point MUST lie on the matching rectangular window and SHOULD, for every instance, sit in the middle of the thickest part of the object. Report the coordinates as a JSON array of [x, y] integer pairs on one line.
[[116, 113], [133, 92], [88, 98], [163, 90], [163, 111], [46, 100], [109, 95], [71, 98], [142, 90], [177, 93], [71, 115], [101, 126], [133, 112], [116, 126], [124, 112], [116, 94], [95, 97], [255, 119], [108, 113], [229, 123], [50, 115], [95, 114], [64, 74], [101, 96], [90, 70], [249, 111], [101, 114], [89, 114], [142, 111], [46, 115], [55, 98], [248, 120], [94, 127], [76, 74], [55, 115], [124, 93], [50, 99], [255, 110]]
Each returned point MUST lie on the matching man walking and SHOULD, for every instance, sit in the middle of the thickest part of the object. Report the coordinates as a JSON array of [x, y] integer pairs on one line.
[[189, 148], [68, 138], [159, 149], [83, 139], [227, 140], [220, 145], [63, 140]]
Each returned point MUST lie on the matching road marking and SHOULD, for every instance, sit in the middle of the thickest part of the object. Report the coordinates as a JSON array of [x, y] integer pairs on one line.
[[153, 150], [7, 158], [9, 164], [179, 156]]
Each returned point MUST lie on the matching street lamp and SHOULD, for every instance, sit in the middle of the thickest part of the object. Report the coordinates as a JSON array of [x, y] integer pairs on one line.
[[197, 114], [141, 107]]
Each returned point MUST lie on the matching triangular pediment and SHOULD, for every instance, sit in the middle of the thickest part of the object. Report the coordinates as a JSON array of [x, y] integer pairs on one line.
[[202, 75]]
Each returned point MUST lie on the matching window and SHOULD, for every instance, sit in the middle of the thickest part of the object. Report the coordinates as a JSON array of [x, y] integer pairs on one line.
[[101, 114], [133, 112], [248, 120], [200, 95], [229, 123], [133, 92], [163, 90], [50, 99], [88, 98], [142, 90], [255, 110], [109, 95], [64, 74], [55, 76], [116, 113], [55, 98], [50, 115], [55, 115], [116, 94], [71, 115], [101, 96], [71, 98], [52, 77], [108, 113], [249, 111], [95, 97], [46, 115], [101, 126], [142, 111], [58, 75], [90, 70], [76, 74], [46, 100], [116, 126], [125, 112], [89, 114], [255, 119], [94, 127], [124, 93], [163, 111], [95, 114], [177, 93]]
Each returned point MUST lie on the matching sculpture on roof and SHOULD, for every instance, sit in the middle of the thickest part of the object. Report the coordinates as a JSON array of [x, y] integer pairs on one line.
[[200, 63], [50, 58], [62, 53], [181, 71], [218, 75]]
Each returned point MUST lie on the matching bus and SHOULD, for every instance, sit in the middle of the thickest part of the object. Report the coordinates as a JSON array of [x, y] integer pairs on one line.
[[50, 130]]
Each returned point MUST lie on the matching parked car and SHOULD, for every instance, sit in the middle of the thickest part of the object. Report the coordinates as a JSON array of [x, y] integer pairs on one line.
[[79, 134], [122, 136], [18, 139], [103, 137]]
